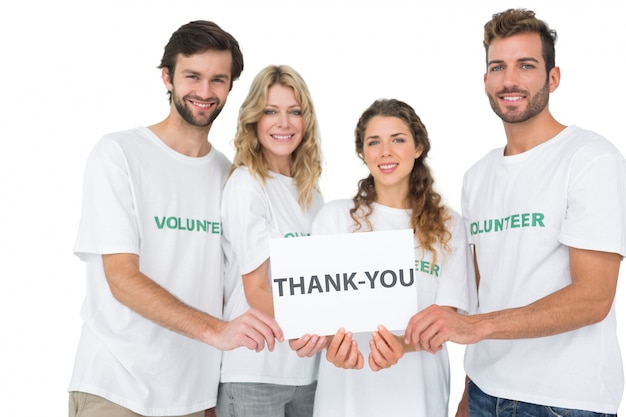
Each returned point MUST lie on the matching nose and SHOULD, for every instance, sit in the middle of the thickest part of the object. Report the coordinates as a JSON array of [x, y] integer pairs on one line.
[[511, 77], [385, 148], [283, 120], [205, 90]]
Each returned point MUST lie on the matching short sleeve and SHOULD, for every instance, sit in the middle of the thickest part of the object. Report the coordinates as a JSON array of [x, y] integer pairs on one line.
[[596, 204], [246, 220], [108, 221]]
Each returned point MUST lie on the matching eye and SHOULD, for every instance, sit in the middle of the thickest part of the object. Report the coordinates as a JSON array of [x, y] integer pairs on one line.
[[528, 66], [399, 140], [296, 112], [269, 112], [372, 142], [496, 68]]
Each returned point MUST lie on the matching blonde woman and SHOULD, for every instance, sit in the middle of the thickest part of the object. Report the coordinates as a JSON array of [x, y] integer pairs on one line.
[[272, 192]]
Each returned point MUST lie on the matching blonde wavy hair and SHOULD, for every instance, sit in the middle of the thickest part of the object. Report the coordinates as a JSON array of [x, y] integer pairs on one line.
[[306, 166], [428, 215]]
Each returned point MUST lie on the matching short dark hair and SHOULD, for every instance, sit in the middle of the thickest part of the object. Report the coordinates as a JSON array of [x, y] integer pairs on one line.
[[200, 36], [515, 21]]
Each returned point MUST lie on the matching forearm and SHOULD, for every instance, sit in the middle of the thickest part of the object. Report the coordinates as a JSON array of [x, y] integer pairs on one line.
[[587, 300], [257, 289], [565, 310], [153, 302], [261, 299]]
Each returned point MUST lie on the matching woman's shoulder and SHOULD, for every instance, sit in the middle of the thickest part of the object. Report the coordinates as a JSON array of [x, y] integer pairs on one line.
[[241, 178], [339, 205]]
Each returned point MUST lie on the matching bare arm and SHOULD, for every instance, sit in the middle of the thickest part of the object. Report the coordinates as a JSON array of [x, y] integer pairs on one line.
[[587, 300], [257, 289], [140, 293]]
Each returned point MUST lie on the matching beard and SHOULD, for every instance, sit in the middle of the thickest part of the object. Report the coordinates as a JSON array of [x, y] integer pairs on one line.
[[510, 114], [187, 113]]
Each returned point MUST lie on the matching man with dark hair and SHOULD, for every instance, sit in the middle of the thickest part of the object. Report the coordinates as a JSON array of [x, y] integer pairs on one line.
[[547, 219], [150, 235]]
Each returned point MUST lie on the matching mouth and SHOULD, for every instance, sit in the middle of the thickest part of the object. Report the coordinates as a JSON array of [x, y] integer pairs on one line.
[[512, 96], [282, 138], [512, 99], [202, 105], [388, 167]]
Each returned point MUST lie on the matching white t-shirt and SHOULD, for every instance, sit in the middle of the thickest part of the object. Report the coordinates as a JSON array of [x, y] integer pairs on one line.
[[523, 212], [252, 214], [419, 384], [142, 197]]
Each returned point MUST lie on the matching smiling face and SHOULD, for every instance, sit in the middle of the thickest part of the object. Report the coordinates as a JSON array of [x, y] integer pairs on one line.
[[390, 152], [516, 82], [200, 86], [280, 127]]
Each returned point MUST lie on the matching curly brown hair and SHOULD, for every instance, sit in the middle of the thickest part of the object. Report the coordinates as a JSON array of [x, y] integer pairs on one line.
[[428, 215]]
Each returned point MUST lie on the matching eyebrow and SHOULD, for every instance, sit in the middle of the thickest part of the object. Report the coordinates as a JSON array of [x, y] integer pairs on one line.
[[393, 135], [523, 59], [194, 72], [293, 106]]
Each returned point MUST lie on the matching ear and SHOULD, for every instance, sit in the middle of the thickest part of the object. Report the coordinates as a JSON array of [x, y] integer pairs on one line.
[[165, 76], [554, 78], [419, 150]]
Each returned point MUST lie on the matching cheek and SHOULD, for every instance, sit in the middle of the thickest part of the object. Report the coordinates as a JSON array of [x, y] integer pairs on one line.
[[368, 157], [222, 92], [262, 126], [298, 123]]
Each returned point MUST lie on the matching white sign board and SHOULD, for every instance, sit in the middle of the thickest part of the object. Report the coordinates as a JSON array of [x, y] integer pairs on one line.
[[353, 280]]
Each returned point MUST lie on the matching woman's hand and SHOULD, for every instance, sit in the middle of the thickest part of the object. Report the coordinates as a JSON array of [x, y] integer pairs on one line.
[[343, 352], [385, 349]]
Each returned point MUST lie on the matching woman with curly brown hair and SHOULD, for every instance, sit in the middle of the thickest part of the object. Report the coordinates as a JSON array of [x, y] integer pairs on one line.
[[397, 194]]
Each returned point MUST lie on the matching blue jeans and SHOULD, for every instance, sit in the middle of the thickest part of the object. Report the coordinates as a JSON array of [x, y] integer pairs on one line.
[[484, 405], [265, 400]]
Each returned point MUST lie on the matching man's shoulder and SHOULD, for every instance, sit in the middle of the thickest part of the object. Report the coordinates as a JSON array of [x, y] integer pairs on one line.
[[587, 139], [135, 132], [126, 137], [485, 161]]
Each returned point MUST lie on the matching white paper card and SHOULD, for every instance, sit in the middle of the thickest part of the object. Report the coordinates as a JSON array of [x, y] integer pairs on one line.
[[353, 280]]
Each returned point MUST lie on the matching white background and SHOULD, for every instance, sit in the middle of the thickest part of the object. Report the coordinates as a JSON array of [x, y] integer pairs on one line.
[[72, 71]]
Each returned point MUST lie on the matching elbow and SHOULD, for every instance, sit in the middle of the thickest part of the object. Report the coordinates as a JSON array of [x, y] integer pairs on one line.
[[599, 311], [116, 291]]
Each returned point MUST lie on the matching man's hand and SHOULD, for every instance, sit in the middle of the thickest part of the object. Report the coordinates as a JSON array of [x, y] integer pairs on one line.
[[253, 330], [308, 345], [430, 328]]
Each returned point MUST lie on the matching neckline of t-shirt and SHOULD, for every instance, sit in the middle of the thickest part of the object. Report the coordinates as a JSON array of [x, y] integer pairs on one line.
[[196, 160], [514, 159], [281, 177], [391, 210]]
